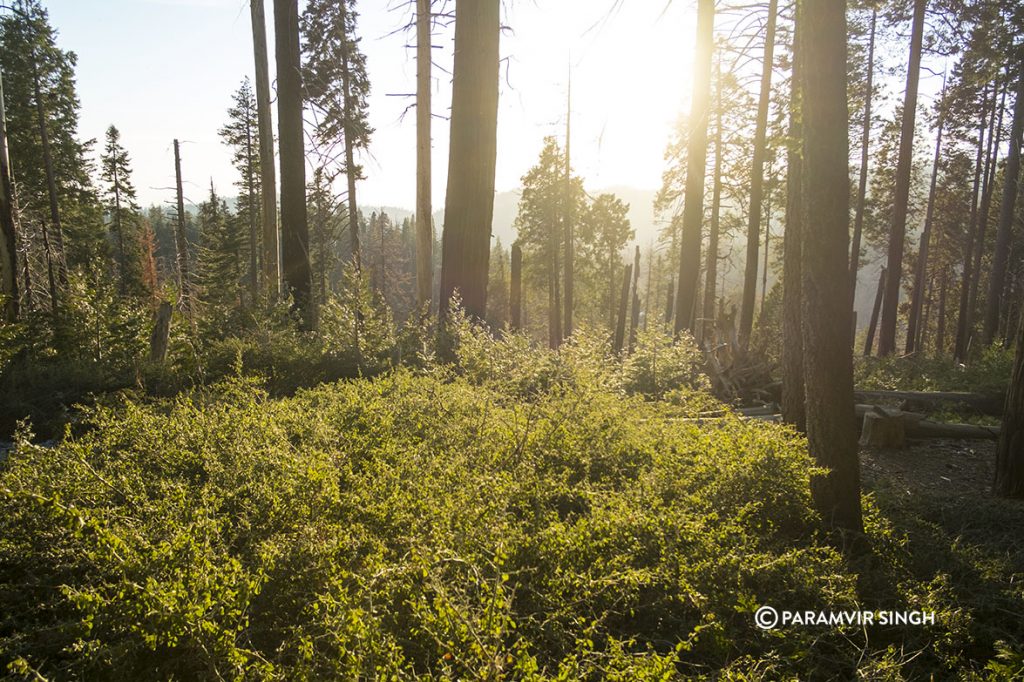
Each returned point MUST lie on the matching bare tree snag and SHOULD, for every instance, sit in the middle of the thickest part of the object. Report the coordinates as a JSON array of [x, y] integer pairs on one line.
[[268, 175], [620, 325], [181, 240], [424, 233], [516, 293], [567, 218], [711, 260], [634, 320]]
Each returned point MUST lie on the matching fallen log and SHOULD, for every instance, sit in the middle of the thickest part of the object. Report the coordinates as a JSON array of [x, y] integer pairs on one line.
[[983, 403]]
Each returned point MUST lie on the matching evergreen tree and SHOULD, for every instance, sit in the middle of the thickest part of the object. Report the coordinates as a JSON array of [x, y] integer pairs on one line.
[[241, 133], [606, 221], [221, 253], [122, 209]]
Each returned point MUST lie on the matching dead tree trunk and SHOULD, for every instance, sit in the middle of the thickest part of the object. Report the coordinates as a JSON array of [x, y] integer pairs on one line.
[[1009, 480], [294, 220], [161, 335], [757, 180], [921, 268], [567, 217], [898, 228], [268, 175], [828, 374], [869, 340], [8, 226], [1011, 174], [469, 203], [634, 319], [693, 201], [424, 233], [516, 294], [620, 325], [181, 239], [862, 182], [554, 296]]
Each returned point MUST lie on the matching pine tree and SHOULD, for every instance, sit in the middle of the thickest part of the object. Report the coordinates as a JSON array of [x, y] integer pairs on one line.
[[241, 133], [122, 208], [606, 220], [222, 238]]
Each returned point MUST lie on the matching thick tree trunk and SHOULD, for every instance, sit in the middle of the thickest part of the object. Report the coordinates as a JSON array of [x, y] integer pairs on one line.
[[567, 217], [351, 170], [1011, 174], [8, 226], [469, 203], [670, 299], [757, 180], [876, 309], [516, 294], [693, 200], [424, 233], [711, 260], [634, 318], [828, 372], [898, 229], [268, 175], [940, 330], [1009, 480], [181, 239], [793, 397], [294, 221], [921, 267], [620, 325], [254, 242], [862, 181], [161, 335]]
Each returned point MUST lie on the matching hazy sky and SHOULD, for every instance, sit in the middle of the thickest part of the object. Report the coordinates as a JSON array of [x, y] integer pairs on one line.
[[160, 69]]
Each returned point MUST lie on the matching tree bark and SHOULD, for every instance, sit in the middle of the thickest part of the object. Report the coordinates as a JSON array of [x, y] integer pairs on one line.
[[828, 374], [898, 229], [469, 203], [862, 182], [1009, 479], [921, 267], [711, 260], [351, 171], [1011, 174], [8, 226], [634, 319], [693, 200], [793, 397], [158, 340], [51, 177], [567, 217], [940, 331], [250, 185], [294, 221], [757, 181], [869, 340], [424, 233], [268, 175], [181, 239], [516, 293], [620, 325]]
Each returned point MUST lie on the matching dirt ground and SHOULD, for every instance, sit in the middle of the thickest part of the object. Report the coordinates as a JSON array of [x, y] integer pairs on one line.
[[950, 468]]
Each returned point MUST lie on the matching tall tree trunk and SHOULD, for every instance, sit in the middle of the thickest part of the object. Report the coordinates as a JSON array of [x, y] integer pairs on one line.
[[351, 170], [940, 331], [1009, 479], [294, 221], [51, 177], [567, 217], [969, 274], [424, 234], [767, 244], [634, 319], [651, 267], [516, 294], [250, 185], [862, 181], [469, 203], [8, 226], [898, 229], [693, 200], [554, 296], [50, 278], [670, 299], [828, 372], [122, 262], [181, 239], [711, 260], [1011, 174], [268, 175], [989, 186], [876, 309], [926, 316], [620, 325], [793, 396], [921, 268], [757, 180]]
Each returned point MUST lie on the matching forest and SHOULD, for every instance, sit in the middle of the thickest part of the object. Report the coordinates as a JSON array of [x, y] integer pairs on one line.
[[284, 433]]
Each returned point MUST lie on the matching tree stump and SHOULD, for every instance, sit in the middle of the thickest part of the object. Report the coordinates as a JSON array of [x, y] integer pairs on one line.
[[883, 431], [161, 333]]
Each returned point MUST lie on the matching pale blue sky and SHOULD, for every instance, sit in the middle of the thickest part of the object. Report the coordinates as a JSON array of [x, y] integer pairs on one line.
[[160, 69]]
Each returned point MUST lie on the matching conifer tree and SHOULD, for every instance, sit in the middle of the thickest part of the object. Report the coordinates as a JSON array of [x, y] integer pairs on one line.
[[121, 206], [241, 133]]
